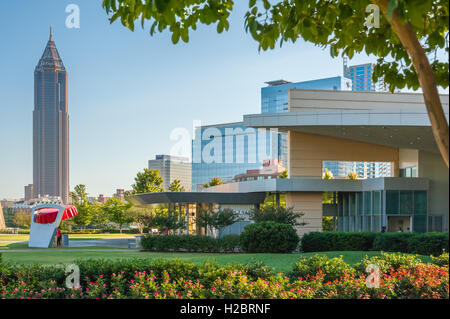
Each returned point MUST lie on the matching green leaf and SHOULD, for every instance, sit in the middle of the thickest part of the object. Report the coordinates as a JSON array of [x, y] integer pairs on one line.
[[175, 37]]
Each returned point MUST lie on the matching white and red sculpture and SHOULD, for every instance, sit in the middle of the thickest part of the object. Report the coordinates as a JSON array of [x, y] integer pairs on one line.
[[45, 220]]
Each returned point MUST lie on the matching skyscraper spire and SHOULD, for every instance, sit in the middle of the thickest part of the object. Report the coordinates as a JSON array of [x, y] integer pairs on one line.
[[51, 33]]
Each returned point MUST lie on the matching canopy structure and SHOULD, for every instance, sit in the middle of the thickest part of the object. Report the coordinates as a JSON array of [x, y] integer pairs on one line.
[[48, 215]]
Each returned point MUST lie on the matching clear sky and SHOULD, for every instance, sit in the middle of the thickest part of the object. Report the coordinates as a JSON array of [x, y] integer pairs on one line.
[[128, 91]]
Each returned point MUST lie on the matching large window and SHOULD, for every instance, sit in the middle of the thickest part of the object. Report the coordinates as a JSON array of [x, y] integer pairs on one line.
[[420, 202], [406, 202], [392, 202]]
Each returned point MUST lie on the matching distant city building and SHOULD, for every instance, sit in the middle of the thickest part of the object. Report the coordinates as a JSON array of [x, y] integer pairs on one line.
[[172, 168], [29, 191], [27, 205], [271, 169], [120, 194], [361, 77], [362, 170], [9, 202], [102, 199], [51, 126]]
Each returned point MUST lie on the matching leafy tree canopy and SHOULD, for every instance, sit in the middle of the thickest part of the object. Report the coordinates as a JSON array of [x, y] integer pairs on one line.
[[409, 34], [176, 186], [338, 24], [148, 181]]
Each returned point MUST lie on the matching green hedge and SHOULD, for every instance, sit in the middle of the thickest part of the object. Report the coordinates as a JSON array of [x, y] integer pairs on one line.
[[190, 243], [269, 237], [415, 243], [337, 241]]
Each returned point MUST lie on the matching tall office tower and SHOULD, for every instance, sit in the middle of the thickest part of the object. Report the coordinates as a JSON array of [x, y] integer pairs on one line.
[[172, 168], [29, 192], [50, 126], [230, 149], [275, 96], [361, 76]]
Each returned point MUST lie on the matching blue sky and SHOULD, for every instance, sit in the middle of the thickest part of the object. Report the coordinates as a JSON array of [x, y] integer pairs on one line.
[[128, 91]]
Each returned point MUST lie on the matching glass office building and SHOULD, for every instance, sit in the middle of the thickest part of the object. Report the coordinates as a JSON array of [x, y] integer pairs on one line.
[[226, 150], [274, 99]]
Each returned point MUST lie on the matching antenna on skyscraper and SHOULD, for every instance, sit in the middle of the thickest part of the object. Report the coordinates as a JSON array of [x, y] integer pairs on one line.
[[51, 33]]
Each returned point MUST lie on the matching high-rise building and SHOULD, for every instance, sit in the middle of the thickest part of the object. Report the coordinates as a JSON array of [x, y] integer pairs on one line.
[[172, 168], [29, 191], [51, 126]]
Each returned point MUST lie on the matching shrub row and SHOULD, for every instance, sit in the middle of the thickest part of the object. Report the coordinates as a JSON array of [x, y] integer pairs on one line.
[[263, 237], [190, 243], [415, 243], [315, 277]]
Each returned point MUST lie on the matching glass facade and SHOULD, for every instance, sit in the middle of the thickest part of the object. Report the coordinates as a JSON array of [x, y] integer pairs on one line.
[[228, 150], [369, 211], [274, 99]]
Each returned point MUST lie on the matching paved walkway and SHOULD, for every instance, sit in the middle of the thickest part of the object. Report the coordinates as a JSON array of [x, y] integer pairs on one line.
[[107, 242], [32, 250]]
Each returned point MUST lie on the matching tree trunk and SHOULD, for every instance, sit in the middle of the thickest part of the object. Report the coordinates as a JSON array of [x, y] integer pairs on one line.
[[425, 74]]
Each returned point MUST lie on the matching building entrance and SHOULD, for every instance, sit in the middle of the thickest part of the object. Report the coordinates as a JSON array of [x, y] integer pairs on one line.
[[396, 223]]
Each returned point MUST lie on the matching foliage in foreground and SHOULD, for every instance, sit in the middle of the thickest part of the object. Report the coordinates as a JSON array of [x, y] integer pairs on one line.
[[321, 277]]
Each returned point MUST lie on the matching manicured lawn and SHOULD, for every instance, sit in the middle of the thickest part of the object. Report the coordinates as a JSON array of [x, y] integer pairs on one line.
[[23, 237], [281, 262], [25, 247]]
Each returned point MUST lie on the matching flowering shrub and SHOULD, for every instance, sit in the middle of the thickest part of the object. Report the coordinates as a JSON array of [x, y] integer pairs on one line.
[[327, 278]]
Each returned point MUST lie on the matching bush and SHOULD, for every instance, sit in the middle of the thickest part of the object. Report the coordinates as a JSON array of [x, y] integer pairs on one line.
[[269, 237], [428, 243], [174, 279], [332, 268], [337, 241], [414, 243], [388, 261], [395, 242], [229, 243], [441, 260], [190, 243]]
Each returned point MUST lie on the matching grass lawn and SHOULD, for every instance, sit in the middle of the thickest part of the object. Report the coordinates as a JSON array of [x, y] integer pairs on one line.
[[23, 237], [281, 262], [25, 247]]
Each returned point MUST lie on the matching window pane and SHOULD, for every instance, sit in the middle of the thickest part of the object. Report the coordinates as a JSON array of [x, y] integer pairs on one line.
[[367, 203], [392, 202], [406, 202], [359, 204], [420, 202], [420, 223], [377, 203]]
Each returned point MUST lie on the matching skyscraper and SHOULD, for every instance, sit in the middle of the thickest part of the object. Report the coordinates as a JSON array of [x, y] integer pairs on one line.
[[51, 126], [172, 168]]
